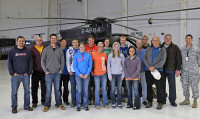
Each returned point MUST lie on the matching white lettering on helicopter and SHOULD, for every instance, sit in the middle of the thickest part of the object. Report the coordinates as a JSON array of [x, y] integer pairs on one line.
[[90, 30]]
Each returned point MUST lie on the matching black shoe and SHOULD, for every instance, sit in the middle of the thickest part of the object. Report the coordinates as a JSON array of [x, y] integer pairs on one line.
[[89, 102], [78, 109], [145, 102], [159, 106], [14, 110], [173, 104], [86, 109], [67, 103], [34, 105], [149, 105], [28, 108]]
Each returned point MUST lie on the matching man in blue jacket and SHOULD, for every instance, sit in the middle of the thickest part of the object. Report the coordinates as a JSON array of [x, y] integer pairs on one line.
[[82, 64], [20, 65], [65, 75]]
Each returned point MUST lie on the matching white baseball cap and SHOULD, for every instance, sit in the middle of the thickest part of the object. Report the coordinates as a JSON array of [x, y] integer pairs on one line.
[[156, 74]]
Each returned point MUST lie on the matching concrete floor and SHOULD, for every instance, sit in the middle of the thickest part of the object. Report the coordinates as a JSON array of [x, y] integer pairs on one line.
[[168, 112]]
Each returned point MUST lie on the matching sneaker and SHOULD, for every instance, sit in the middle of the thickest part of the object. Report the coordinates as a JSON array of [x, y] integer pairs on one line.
[[45, 109], [135, 108], [72, 105], [113, 106], [14, 110], [34, 105], [149, 105], [28, 108], [86, 109], [145, 102], [129, 106], [159, 106], [173, 104], [120, 106], [97, 107], [67, 103], [78, 109], [107, 107], [61, 107]]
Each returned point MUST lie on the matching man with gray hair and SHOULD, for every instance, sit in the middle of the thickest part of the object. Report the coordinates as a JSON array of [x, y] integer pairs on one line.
[[171, 68], [154, 59]]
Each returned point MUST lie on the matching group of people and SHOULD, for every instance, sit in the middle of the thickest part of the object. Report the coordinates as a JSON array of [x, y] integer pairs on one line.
[[87, 67]]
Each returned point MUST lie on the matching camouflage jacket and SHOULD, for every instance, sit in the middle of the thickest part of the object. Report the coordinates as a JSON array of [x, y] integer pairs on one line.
[[191, 64]]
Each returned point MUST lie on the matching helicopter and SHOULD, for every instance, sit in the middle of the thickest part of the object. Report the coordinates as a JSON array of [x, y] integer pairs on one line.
[[99, 27]]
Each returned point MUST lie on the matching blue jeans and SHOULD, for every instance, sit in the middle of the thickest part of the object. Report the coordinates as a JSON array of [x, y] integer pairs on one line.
[[103, 80], [133, 93], [144, 86], [15, 83], [73, 88], [55, 79], [172, 85], [82, 86], [116, 78]]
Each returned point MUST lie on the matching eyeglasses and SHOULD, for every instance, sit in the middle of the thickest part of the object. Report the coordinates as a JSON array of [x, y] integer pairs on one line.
[[144, 39], [38, 40]]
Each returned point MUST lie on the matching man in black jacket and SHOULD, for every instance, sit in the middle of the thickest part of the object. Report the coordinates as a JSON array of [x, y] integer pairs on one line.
[[20, 65], [171, 68]]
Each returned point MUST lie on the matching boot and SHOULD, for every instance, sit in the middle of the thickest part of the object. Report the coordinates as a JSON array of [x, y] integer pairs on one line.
[[194, 105], [185, 102]]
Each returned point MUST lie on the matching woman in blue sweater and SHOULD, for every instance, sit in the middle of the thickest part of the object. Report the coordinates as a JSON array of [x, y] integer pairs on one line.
[[82, 64]]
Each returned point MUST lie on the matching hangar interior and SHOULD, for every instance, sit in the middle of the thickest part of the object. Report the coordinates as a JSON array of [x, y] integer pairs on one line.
[[178, 24]]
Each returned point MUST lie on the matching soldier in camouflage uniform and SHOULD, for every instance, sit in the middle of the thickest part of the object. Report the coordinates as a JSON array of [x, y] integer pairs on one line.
[[190, 72]]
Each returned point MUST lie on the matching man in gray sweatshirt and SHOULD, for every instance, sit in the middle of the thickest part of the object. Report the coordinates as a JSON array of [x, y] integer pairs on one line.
[[52, 62], [154, 59]]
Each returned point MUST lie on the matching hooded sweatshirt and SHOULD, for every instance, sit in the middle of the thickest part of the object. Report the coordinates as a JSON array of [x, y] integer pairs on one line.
[[36, 58], [115, 65], [20, 61], [82, 63], [124, 50], [70, 54], [92, 49]]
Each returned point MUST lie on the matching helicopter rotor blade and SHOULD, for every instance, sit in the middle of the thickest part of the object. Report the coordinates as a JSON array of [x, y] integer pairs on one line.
[[126, 27], [161, 12], [161, 19], [53, 18], [40, 26]]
